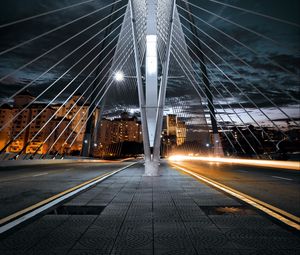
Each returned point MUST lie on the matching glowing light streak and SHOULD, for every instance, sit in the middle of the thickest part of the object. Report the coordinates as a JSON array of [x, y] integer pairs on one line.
[[295, 165]]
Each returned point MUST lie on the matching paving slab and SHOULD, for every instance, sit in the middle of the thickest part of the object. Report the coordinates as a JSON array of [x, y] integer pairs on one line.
[[171, 214]]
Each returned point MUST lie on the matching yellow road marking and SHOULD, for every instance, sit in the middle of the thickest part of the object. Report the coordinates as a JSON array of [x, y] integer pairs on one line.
[[273, 211], [46, 201], [50, 199]]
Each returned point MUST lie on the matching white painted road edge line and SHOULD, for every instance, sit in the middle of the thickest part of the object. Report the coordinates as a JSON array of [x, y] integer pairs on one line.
[[41, 174], [246, 199], [278, 177], [37, 211]]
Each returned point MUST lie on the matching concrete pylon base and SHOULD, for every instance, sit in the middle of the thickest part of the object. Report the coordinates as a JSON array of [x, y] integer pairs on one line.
[[218, 149], [151, 168]]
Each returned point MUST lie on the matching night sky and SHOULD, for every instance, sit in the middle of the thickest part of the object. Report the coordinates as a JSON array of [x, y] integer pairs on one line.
[[268, 78]]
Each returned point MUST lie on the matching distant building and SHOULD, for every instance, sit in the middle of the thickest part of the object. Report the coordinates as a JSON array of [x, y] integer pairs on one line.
[[171, 124], [80, 113], [173, 134], [20, 124], [64, 135], [6, 114], [29, 132], [180, 132], [116, 131], [59, 124]]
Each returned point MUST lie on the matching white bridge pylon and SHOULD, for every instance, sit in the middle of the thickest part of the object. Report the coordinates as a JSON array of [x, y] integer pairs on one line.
[[151, 23]]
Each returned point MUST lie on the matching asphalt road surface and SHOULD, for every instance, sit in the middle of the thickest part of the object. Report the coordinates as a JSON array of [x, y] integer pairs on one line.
[[280, 188], [23, 186]]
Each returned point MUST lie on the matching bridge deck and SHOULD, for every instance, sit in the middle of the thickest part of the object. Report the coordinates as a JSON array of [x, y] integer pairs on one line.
[[131, 214]]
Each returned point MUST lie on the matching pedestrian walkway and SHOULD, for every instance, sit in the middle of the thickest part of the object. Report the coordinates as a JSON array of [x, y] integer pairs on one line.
[[171, 214]]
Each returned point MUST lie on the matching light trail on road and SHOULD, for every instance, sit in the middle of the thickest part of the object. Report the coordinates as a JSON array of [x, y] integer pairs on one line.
[[294, 165]]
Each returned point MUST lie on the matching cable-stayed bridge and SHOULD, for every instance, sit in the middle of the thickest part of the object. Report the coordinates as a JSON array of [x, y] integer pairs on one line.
[[112, 86], [206, 92]]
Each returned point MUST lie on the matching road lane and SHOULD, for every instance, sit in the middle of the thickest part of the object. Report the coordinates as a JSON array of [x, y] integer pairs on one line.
[[278, 187], [21, 187]]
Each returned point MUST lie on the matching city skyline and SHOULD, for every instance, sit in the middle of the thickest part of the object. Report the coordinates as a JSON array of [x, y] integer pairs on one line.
[[64, 119], [270, 80]]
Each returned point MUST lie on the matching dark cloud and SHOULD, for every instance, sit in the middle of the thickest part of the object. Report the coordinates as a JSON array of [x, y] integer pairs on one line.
[[16, 34], [273, 82]]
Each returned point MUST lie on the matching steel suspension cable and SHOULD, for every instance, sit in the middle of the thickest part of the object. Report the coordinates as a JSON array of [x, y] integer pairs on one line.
[[197, 91], [85, 101], [237, 57], [220, 105], [212, 83], [237, 72], [175, 106], [59, 45], [107, 88], [238, 25], [43, 14], [195, 87], [211, 102], [178, 50], [78, 100], [56, 29], [116, 150], [161, 49], [178, 59], [121, 90], [91, 93], [232, 82], [127, 90], [53, 83], [59, 92], [54, 114], [255, 13], [240, 43], [228, 104], [248, 98]]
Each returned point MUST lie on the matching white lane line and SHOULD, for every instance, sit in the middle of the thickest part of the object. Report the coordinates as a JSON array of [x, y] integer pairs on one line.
[[28, 176], [41, 174], [278, 177], [31, 211], [13, 179]]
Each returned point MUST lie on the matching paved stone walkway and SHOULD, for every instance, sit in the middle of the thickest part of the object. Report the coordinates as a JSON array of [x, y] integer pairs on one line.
[[171, 214]]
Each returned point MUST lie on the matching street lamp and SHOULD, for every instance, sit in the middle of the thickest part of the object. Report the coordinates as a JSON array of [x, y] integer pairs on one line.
[[119, 76]]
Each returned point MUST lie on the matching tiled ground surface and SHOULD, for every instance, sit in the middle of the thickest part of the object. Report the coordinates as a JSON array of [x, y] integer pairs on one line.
[[171, 214]]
